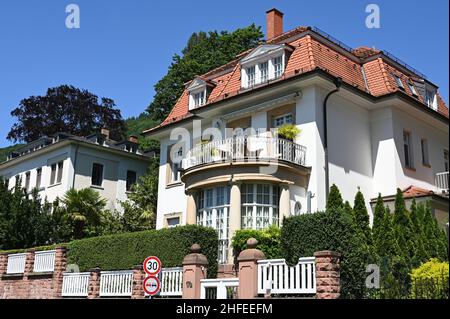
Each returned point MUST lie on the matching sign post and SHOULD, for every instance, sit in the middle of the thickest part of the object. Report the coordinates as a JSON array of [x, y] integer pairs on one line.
[[152, 267]]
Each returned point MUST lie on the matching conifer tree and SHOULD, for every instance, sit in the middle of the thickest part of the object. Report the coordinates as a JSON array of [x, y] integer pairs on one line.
[[378, 218], [362, 217], [403, 228], [335, 201]]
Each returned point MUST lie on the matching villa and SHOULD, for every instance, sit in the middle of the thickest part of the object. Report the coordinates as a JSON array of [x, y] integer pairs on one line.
[[366, 121]]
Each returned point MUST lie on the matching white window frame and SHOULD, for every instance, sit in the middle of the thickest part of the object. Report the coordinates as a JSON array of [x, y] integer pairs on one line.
[[412, 89], [430, 98], [254, 206], [398, 81], [284, 118], [207, 213], [59, 169], [256, 63], [193, 101]]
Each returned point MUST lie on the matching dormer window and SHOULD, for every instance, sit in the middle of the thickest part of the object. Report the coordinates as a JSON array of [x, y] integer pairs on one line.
[[412, 88], [265, 63], [430, 98], [398, 81], [198, 93]]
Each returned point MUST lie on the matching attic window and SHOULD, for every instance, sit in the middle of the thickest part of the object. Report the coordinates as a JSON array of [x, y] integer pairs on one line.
[[430, 98], [412, 88], [265, 63], [198, 91], [399, 82]]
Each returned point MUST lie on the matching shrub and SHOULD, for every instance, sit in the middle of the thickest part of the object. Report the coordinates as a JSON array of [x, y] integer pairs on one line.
[[430, 280], [123, 251], [303, 235], [269, 241], [289, 131]]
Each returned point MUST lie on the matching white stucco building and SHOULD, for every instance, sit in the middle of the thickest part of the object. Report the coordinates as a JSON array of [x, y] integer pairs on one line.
[[387, 128], [53, 165]]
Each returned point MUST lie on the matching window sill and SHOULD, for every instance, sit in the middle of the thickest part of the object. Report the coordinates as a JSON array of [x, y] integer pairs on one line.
[[412, 169], [174, 184], [426, 165], [54, 185], [97, 187]]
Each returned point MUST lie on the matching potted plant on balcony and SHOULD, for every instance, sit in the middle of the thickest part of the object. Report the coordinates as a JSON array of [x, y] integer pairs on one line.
[[288, 132]]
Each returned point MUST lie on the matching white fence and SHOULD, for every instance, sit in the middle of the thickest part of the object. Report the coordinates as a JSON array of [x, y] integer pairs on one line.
[[116, 283], [172, 281], [276, 277], [44, 261], [16, 263], [75, 284], [220, 288]]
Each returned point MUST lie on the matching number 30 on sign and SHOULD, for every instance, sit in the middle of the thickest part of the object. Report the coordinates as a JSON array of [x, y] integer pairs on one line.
[[152, 265]]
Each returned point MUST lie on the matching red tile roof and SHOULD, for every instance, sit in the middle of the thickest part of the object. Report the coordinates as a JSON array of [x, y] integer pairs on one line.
[[413, 191], [311, 51]]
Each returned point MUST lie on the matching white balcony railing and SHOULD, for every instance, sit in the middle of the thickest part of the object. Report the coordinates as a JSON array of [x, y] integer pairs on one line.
[[75, 284], [244, 148], [442, 181], [116, 283], [16, 263], [44, 261]]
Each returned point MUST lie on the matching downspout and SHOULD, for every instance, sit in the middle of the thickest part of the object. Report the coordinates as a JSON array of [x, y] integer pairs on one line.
[[337, 83]]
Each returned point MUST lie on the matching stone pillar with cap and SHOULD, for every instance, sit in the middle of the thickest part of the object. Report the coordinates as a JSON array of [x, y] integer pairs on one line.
[[195, 266], [328, 284], [248, 270]]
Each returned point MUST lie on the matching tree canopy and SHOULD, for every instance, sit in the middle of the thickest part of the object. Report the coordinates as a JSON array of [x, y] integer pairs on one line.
[[65, 109], [203, 52]]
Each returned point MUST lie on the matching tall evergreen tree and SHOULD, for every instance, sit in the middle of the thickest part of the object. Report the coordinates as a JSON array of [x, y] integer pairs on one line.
[[335, 201], [377, 227], [420, 251], [435, 238], [362, 218], [403, 228]]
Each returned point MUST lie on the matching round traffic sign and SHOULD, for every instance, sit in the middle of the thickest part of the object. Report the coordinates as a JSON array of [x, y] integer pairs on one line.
[[151, 285], [152, 265]]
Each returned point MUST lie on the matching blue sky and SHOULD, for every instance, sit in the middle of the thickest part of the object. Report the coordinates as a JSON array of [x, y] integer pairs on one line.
[[125, 46]]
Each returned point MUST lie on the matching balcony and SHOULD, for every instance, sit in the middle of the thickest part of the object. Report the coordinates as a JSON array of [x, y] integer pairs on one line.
[[245, 149], [442, 182]]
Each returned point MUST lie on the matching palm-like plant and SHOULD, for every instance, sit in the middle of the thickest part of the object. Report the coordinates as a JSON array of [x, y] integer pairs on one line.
[[84, 209]]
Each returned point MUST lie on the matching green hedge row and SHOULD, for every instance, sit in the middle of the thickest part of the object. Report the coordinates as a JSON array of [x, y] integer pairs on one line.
[[303, 235], [38, 248], [269, 241], [123, 251]]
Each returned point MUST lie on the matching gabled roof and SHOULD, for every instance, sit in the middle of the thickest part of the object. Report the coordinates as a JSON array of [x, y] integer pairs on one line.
[[366, 69], [262, 50]]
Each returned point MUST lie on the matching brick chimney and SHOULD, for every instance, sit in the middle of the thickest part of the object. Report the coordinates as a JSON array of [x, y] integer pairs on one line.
[[274, 23], [133, 139], [105, 131]]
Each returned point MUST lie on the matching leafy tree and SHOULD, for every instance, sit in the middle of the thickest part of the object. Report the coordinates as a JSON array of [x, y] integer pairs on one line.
[[362, 217], [24, 222], [140, 208], [65, 109], [335, 201], [83, 210], [203, 52]]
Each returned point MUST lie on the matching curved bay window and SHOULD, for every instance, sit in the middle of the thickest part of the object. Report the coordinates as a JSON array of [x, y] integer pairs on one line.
[[259, 206], [213, 211]]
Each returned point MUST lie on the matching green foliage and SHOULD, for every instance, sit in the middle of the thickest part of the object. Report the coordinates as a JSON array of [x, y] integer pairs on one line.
[[136, 125], [24, 222], [362, 219], [140, 208], [269, 241], [123, 251], [65, 109], [430, 280], [335, 199], [5, 151], [331, 230], [289, 131], [203, 52], [403, 227], [83, 210]]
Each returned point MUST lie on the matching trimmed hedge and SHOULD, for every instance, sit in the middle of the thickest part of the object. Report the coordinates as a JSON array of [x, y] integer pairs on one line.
[[303, 235], [123, 251], [269, 241], [430, 280], [38, 248]]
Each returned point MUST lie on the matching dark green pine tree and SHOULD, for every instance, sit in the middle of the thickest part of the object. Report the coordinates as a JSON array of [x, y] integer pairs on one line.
[[335, 202], [420, 251], [348, 211], [435, 238], [362, 218], [403, 228], [378, 218]]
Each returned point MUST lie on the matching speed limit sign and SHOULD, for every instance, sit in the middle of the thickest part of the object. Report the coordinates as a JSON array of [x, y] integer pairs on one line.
[[152, 265]]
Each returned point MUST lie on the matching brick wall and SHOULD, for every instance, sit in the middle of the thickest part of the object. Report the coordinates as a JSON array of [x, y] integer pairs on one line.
[[30, 285]]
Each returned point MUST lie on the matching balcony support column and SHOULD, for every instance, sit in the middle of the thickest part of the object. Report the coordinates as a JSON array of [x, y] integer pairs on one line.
[[234, 214], [191, 211], [285, 207]]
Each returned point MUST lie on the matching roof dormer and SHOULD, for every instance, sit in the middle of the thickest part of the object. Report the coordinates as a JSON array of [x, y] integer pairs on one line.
[[199, 90], [266, 62]]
